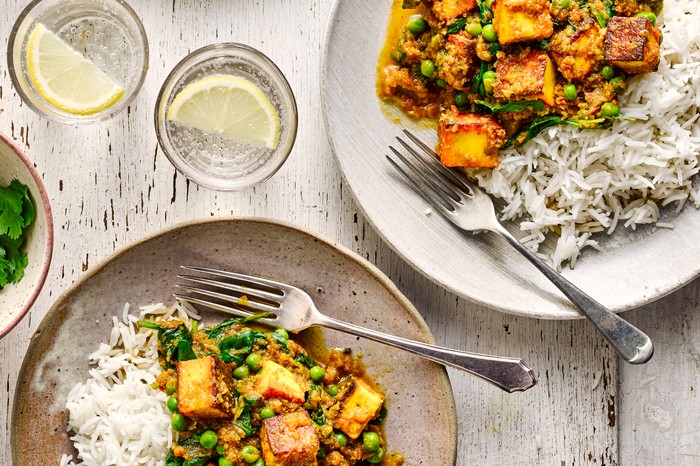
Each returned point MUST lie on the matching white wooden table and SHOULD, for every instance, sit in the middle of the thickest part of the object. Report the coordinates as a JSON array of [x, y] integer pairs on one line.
[[110, 185]]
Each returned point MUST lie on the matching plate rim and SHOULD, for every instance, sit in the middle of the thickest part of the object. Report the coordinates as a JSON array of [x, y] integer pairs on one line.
[[370, 268]]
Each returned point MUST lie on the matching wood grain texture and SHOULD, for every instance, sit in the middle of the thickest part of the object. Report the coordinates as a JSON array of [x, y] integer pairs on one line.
[[110, 185]]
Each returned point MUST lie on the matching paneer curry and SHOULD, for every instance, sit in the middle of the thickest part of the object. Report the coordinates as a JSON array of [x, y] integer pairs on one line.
[[495, 73], [241, 396]]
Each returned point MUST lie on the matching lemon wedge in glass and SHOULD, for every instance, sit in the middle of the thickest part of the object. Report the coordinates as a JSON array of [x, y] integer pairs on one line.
[[65, 78], [228, 105]]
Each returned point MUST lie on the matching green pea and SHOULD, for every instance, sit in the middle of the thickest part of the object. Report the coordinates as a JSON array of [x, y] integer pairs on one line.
[[648, 15], [171, 386], [440, 83], [489, 33], [178, 422], [253, 360], [609, 109], [570, 91], [562, 4], [341, 438], [241, 372], [283, 332], [427, 68], [316, 373], [250, 454], [266, 413], [398, 56], [209, 439], [172, 404], [489, 80], [370, 441], [220, 450], [416, 25], [473, 29], [332, 390], [618, 84], [461, 99], [608, 72], [377, 457], [225, 462]]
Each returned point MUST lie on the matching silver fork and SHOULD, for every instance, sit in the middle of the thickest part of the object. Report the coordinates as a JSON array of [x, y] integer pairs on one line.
[[293, 309], [467, 206]]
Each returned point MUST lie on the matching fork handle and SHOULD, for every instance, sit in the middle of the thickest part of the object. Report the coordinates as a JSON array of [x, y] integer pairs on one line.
[[631, 343], [509, 374]]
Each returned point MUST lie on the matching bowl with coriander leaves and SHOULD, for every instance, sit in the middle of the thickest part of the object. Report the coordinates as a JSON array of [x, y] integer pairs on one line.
[[26, 234]]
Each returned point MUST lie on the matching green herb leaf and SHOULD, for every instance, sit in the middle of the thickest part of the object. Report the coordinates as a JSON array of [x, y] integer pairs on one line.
[[516, 106], [478, 85], [17, 212], [305, 360], [456, 26], [409, 4], [11, 220]]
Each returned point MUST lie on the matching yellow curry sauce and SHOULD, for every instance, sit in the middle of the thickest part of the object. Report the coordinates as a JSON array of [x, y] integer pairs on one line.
[[495, 73], [241, 396]]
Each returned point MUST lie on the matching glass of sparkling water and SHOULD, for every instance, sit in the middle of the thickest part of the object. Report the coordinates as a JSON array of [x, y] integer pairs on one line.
[[107, 40], [211, 158]]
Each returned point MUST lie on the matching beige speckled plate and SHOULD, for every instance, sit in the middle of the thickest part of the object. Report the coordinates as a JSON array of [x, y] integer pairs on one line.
[[422, 415]]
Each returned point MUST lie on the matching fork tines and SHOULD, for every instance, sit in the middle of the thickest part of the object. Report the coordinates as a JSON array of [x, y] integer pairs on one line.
[[237, 294]]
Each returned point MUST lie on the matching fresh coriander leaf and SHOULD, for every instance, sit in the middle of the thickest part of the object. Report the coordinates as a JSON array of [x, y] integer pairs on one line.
[[28, 211], [11, 220]]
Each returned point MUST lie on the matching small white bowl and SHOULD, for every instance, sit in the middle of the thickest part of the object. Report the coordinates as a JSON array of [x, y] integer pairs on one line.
[[17, 298]]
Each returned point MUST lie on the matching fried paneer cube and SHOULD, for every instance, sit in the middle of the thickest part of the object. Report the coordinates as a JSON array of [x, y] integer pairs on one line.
[[275, 381], [632, 44], [458, 62], [204, 388], [447, 10], [469, 139], [358, 405], [520, 20], [527, 76], [289, 440], [577, 54]]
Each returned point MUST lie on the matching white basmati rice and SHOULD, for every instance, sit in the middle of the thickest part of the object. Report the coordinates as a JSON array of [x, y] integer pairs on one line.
[[578, 182], [116, 416]]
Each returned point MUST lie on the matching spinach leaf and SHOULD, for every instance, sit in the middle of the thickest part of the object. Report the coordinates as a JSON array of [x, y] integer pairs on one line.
[[537, 125], [516, 106], [174, 344], [172, 460], [603, 15], [456, 26], [381, 416], [409, 4], [478, 85], [245, 418], [305, 360], [200, 461], [318, 416]]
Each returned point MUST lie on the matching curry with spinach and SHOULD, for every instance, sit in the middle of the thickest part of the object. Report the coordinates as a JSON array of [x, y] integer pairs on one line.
[[495, 73], [241, 396]]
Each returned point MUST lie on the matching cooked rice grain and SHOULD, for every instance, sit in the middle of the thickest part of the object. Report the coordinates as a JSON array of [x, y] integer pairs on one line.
[[577, 182], [117, 418]]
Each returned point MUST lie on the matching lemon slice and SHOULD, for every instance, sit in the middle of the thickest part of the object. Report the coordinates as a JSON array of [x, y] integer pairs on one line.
[[66, 79], [227, 105]]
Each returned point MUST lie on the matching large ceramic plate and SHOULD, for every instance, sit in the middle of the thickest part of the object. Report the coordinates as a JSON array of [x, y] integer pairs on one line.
[[422, 415], [632, 269]]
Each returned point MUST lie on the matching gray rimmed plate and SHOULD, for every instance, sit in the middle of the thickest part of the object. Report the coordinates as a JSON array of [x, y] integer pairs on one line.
[[633, 268], [422, 414]]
